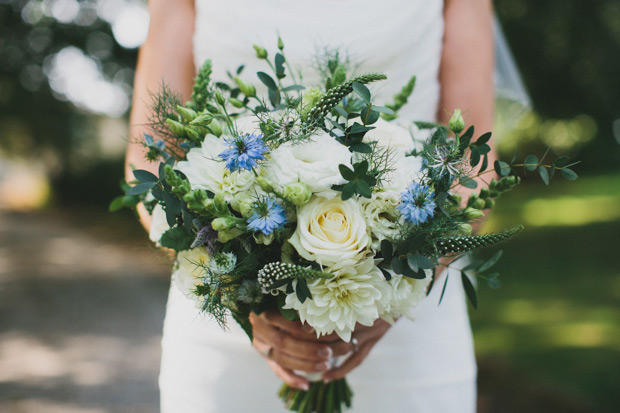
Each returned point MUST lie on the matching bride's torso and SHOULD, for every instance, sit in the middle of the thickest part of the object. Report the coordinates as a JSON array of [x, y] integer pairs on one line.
[[400, 38]]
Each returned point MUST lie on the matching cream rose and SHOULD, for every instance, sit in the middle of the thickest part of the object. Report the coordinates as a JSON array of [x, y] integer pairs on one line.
[[315, 163], [330, 232], [206, 170]]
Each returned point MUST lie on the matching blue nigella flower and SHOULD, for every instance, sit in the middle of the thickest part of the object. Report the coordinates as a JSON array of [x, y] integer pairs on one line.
[[417, 204], [244, 151], [267, 217]]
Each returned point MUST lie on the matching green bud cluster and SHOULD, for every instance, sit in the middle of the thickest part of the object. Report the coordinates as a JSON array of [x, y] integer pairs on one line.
[[276, 271], [333, 96], [484, 200], [197, 201], [180, 186], [454, 245], [400, 99], [202, 93]]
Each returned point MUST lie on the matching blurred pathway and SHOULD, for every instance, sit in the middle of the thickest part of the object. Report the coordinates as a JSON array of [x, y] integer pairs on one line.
[[82, 300]]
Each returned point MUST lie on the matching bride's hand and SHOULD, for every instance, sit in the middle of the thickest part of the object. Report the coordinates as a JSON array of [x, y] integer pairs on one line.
[[366, 338], [290, 345]]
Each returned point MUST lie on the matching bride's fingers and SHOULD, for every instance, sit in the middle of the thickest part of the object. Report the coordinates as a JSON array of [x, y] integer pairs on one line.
[[352, 362], [295, 328], [295, 363], [288, 377], [283, 342]]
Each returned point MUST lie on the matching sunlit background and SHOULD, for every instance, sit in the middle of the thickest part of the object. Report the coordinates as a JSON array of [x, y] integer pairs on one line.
[[82, 293]]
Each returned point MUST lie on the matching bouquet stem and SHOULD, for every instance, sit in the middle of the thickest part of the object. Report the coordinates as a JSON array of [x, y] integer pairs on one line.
[[319, 398]]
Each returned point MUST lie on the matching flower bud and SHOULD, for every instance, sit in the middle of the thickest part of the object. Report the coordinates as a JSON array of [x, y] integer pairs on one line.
[[484, 193], [177, 128], [456, 124], [280, 43], [261, 238], [192, 133], [309, 99], [215, 128], [242, 203], [219, 98], [339, 76], [236, 103], [202, 119], [226, 235], [245, 87], [489, 203], [187, 114], [457, 198], [223, 223], [297, 193], [220, 203], [478, 204], [465, 229], [265, 184], [473, 213], [261, 52]]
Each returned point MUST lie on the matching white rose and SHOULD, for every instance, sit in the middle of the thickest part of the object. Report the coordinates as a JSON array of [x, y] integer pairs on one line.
[[330, 232], [190, 270], [392, 135], [159, 224], [356, 294], [406, 295], [405, 169], [315, 163], [206, 170], [382, 216]]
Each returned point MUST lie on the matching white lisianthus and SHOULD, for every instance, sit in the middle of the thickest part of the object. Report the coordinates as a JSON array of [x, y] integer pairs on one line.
[[206, 170], [382, 216], [406, 295], [159, 224], [356, 294], [392, 135], [190, 269], [330, 232], [315, 163]]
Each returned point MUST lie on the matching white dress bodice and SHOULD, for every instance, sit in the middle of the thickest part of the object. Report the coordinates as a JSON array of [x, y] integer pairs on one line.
[[426, 365]]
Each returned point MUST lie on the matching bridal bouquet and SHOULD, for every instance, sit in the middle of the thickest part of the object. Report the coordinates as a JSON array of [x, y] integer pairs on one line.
[[311, 201]]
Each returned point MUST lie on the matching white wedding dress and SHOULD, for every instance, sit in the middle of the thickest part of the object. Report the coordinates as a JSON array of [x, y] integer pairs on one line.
[[426, 365]]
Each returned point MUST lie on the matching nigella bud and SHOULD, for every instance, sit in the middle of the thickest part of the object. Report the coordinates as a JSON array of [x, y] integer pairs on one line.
[[261, 52], [177, 128], [219, 98], [473, 213], [187, 114], [280, 43], [457, 123], [246, 88]]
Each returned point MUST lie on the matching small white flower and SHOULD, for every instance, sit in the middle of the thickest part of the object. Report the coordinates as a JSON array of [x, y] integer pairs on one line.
[[356, 294], [406, 295], [190, 270], [159, 224]]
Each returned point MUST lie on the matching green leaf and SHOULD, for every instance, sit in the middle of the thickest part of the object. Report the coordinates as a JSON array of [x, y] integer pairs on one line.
[[501, 168], [397, 265], [267, 80], [427, 125], [485, 163], [288, 313], [361, 147], [361, 168], [362, 91], [279, 61], [144, 176], [383, 109], [515, 156], [386, 249], [469, 289], [302, 290], [561, 161], [569, 174], [494, 283], [491, 262], [445, 284], [364, 189], [468, 183], [348, 191], [531, 163], [116, 204], [177, 239], [542, 171], [346, 173], [141, 188], [484, 138], [474, 157], [369, 116], [294, 88], [386, 274]]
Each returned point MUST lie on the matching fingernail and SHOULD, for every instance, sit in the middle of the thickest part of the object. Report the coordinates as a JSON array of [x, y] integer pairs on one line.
[[326, 352], [326, 380], [304, 386], [322, 366]]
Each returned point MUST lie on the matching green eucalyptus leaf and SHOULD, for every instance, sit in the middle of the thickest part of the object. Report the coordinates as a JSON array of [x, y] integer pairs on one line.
[[116, 204], [177, 239], [279, 61], [386, 274], [141, 188], [483, 139], [494, 282], [383, 109], [531, 163], [470, 291], [293, 88], [569, 174], [515, 156], [267, 80], [362, 91], [491, 262], [501, 168], [474, 156], [361, 147], [397, 265], [386, 249], [369, 116], [144, 176], [468, 183], [544, 175], [561, 161]]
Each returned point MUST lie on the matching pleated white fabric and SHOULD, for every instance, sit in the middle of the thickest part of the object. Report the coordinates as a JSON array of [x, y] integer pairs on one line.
[[426, 365]]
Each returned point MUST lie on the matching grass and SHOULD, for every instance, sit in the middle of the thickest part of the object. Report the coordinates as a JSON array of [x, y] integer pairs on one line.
[[555, 322]]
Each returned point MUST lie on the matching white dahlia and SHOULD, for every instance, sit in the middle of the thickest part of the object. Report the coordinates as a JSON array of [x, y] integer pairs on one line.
[[406, 295], [206, 170], [356, 294]]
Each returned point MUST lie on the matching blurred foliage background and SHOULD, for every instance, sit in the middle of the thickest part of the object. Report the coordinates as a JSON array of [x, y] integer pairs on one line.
[[551, 334]]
